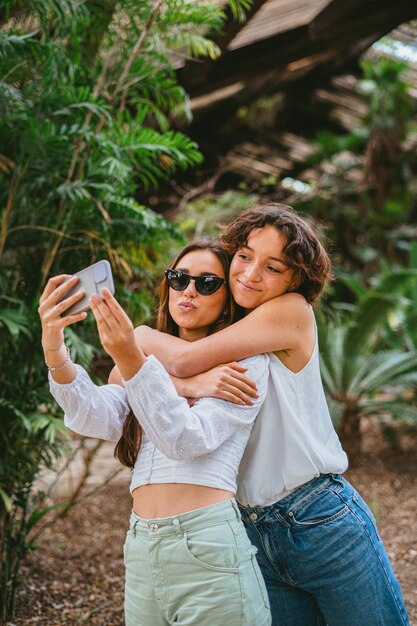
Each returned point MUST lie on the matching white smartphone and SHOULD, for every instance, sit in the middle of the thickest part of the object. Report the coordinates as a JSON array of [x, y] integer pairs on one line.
[[91, 280]]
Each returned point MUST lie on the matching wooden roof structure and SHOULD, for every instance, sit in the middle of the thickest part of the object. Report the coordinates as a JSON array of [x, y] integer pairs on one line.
[[283, 39], [305, 49]]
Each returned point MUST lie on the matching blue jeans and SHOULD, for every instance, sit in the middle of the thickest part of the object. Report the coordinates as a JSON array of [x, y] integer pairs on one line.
[[322, 559]]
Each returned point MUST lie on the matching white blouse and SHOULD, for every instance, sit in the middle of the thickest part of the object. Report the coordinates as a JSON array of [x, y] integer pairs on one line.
[[293, 440], [202, 444]]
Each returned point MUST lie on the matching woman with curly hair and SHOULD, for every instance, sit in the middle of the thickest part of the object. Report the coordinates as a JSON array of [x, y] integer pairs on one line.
[[318, 545]]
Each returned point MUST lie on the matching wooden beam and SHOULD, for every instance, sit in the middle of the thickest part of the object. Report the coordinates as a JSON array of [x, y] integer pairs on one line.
[[336, 11], [275, 53], [209, 121], [232, 26]]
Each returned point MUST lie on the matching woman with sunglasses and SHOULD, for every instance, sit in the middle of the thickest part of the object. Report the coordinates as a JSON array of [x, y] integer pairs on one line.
[[188, 558], [318, 545]]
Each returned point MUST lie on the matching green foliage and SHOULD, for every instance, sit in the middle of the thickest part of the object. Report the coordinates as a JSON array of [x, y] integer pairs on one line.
[[239, 8], [401, 325], [86, 93], [364, 183], [365, 370], [329, 143], [387, 93], [205, 216], [29, 440]]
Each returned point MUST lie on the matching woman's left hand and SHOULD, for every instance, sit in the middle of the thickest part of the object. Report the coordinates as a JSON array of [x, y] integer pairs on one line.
[[226, 382], [117, 333]]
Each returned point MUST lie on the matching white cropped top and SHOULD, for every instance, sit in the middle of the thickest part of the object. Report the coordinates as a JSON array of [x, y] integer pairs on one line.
[[293, 439], [202, 444]]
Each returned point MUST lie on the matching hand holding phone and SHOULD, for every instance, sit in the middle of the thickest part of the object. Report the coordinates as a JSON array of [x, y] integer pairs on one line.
[[91, 280]]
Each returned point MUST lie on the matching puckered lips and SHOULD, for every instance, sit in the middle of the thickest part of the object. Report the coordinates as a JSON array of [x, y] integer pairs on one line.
[[187, 306]]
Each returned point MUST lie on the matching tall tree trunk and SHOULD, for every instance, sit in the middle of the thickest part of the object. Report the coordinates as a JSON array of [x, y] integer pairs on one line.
[[382, 164]]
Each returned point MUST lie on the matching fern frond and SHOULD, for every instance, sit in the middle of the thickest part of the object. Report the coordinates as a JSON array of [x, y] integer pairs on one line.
[[59, 9], [15, 46], [181, 13], [239, 8], [96, 109], [193, 44]]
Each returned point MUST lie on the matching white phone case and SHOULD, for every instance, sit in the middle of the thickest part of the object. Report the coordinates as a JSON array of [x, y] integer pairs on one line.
[[91, 280]]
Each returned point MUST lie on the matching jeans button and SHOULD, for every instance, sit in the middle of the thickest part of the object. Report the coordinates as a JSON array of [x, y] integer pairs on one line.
[[153, 527], [253, 516]]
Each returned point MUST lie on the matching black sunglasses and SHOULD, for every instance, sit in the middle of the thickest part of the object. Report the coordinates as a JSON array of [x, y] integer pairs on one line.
[[205, 285]]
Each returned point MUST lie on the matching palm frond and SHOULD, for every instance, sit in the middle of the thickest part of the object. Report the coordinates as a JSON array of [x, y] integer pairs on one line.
[[81, 351], [59, 9], [366, 365], [336, 410], [389, 372], [97, 109], [13, 45], [144, 221], [398, 409], [239, 8], [328, 380], [15, 319], [15, 411], [181, 13], [10, 98], [332, 339], [354, 283], [373, 307], [193, 44], [401, 330]]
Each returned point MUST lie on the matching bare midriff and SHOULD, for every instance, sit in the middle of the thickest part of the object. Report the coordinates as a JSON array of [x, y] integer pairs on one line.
[[167, 499]]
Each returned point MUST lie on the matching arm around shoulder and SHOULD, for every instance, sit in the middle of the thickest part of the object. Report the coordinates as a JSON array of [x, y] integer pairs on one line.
[[172, 352], [280, 324]]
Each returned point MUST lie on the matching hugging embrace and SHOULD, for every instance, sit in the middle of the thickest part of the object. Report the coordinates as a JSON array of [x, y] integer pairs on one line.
[[241, 515]]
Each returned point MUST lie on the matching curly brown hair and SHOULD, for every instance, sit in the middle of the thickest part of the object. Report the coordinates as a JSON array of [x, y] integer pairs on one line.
[[303, 251], [127, 448]]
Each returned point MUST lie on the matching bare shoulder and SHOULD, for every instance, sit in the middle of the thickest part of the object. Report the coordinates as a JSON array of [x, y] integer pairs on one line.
[[291, 307], [142, 336], [285, 324], [142, 331]]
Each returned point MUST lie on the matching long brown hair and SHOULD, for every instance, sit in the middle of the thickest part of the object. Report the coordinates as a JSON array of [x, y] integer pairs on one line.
[[303, 251], [127, 448]]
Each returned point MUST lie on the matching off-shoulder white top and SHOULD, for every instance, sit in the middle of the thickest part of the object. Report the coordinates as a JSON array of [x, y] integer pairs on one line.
[[202, 444]]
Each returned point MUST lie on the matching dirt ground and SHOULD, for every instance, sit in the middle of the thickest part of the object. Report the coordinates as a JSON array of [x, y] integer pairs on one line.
[[76, 575]]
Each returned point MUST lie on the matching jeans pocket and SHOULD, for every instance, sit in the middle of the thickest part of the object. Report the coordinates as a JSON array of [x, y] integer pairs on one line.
[[212, 548], [324, 508], [321, 520]]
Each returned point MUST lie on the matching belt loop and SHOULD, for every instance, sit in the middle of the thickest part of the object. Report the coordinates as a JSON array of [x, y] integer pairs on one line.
[[176, 523], [236, 510]]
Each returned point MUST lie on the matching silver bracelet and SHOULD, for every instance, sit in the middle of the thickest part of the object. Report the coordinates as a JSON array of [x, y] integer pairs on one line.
[[59, 367]]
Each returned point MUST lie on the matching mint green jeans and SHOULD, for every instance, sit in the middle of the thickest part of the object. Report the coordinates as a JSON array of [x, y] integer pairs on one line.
[[194, 569]]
